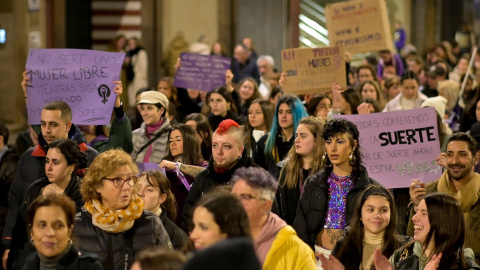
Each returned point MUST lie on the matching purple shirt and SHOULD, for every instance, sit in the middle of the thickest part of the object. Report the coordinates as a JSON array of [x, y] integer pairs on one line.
[[338, 191]]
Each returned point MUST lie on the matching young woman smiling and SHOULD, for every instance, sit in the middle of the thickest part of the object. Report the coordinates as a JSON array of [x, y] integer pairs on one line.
[[439, 238], [373, 227], [303, 160], [245, 94]]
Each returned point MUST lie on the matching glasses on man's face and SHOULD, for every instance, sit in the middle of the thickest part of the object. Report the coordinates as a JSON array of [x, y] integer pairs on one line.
[[118, 182], [248, 197]]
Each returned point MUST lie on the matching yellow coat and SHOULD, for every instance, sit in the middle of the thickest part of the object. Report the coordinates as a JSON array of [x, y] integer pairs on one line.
[[289, 252]]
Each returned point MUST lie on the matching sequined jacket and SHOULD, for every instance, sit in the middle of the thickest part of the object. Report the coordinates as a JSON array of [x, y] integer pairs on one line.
[[313, 205]]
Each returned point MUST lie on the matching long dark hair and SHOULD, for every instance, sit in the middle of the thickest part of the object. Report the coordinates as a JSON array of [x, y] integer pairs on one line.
[[72, 153], [352, 97], [228, 213], [205, 131], [223, 91], [447, 229], [192, 154], [356, 234]]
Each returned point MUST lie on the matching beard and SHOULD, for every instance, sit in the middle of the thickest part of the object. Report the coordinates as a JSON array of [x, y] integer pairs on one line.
[[222, 168], [459, 176]]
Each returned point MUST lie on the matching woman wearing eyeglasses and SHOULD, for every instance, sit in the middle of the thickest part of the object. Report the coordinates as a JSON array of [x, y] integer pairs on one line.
[[112, 224]]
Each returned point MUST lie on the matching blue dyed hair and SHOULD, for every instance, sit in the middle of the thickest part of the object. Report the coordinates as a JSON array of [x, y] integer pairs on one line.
[[298, 112]]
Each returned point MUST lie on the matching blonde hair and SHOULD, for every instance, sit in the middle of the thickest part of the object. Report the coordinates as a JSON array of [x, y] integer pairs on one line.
[[449, 90], [291, 169], [103, 165]]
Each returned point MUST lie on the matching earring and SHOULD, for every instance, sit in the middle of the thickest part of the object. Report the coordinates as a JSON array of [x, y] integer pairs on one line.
[[351, 158], [31, 242], [70, 242], [325, 161]]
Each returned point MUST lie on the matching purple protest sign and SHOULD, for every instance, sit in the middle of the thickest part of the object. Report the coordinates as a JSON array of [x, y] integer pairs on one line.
[[81, 78], [397, 147], [201, 72], [146, 166]]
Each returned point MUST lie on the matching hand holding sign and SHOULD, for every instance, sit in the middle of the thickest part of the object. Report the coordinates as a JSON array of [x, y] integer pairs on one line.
[[202, 72], [81, 78]]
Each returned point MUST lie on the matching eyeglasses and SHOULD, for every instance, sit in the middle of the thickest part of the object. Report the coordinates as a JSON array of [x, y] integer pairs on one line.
[[248, 197], [118, 182]]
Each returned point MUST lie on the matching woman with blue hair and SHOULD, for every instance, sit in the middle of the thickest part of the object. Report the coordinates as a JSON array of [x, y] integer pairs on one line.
[[274, 146]]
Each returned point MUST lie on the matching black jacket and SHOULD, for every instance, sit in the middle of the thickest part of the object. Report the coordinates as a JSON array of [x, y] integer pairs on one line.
[[8, 168], [30, 168], [215, 120], [352, 258], [313, 205], [207, 180], [286, 199], [267, 161], [177, 236], [118, 250], [412, 262], [33, 191], [72, 260]]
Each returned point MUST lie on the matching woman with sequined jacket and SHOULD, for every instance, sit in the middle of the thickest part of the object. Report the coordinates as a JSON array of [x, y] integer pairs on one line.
[[330, 196]]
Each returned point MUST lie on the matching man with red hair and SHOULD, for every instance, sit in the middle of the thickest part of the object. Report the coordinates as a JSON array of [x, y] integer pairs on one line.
[[227, 156]]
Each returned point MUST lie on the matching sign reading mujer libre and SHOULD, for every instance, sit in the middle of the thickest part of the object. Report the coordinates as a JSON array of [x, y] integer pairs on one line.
[[397, 147], [81, 78]]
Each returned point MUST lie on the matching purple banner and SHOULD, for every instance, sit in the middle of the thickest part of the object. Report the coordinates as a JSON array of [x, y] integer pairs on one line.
[[81, 78], [142, 167], [397, 147], [201, 72]]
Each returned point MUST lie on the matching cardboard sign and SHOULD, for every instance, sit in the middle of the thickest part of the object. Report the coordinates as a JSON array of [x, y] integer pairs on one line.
[[201, 72], [313, 70], [81, 78], [397, 147], [359, 26]]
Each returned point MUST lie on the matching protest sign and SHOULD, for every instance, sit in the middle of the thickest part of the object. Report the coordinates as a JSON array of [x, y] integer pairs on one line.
[[360, 26], [81, 78], [146, 166], [201, 72], [313, 70], [397, 147]]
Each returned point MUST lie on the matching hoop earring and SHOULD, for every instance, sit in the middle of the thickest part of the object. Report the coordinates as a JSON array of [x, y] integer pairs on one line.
[[325, 160], [351, 158]]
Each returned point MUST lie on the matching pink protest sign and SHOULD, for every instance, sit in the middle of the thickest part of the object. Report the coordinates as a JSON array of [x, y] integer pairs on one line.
[[397, 147], [81, 78]]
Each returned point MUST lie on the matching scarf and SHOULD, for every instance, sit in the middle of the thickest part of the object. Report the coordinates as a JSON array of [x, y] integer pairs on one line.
[[150, 132], [370, 243], [115, 221], [267, 235], [467, 197]]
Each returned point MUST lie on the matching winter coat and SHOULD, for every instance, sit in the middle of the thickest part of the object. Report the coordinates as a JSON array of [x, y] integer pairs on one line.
[[289, 252], [313, 205], [177, 236], [72, 260], [207, 180], [118, 250], [159, 146], [30, 168], [215, 120], [120, 135]]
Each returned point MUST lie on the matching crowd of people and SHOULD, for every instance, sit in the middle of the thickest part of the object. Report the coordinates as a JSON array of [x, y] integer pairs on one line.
[[248, 177]]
